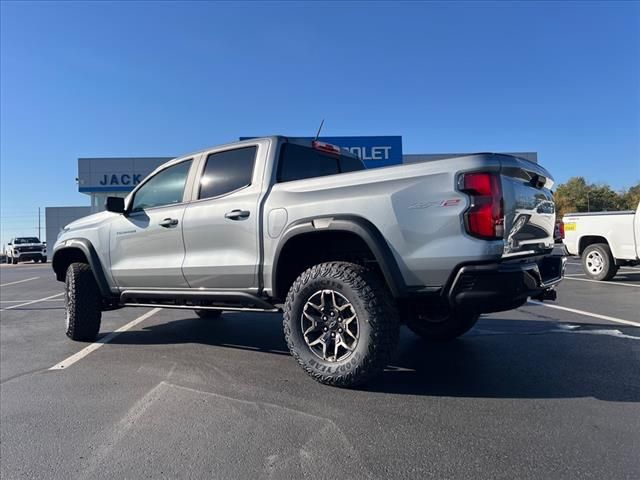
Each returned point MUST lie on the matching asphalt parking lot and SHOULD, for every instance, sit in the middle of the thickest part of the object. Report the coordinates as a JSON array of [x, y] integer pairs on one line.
[[540, 392]]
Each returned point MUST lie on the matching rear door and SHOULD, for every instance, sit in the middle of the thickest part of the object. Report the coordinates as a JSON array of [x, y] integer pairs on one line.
[[221, 224], [146, 245], [529, 209]]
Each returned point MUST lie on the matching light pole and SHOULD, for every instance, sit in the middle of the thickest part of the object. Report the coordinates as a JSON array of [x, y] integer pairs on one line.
[[588, 206]]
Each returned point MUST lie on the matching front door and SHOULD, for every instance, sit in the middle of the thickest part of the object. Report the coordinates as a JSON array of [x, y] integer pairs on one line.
[[146, 245]]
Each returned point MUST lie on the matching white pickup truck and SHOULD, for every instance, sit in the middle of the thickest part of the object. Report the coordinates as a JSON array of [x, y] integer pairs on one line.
[[604, 240]]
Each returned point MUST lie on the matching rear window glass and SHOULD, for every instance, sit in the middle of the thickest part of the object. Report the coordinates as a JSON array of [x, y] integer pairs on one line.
[[298, 162]]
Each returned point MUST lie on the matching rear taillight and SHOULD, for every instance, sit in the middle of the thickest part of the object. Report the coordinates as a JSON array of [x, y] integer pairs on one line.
[[485, 217], [561, 226]]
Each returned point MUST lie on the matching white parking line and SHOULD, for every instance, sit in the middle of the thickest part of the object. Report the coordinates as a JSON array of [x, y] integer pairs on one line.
[[587, 314], [572, 277], [19, 281], [31, 302], [67, 362], [18, 301]]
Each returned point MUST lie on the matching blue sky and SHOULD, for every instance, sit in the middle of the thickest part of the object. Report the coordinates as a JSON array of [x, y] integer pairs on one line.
[[155, 79]]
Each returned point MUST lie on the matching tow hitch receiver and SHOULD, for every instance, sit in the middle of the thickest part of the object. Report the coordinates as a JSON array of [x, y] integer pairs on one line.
[[548, 294]]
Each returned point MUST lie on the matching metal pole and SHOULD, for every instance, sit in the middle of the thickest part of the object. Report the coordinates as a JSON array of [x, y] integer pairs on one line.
[[39, 238]]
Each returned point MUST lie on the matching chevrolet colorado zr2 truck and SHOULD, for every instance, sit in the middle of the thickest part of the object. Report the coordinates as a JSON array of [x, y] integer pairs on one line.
[[346, 253]]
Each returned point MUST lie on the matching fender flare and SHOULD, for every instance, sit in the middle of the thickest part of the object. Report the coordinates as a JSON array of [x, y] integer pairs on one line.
[[361, 227], [90, 254]]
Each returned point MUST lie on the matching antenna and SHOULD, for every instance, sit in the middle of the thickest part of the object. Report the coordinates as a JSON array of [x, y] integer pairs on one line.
[[319, 128]]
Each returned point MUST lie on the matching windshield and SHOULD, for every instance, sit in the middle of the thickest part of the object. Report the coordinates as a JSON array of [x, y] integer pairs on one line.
[[21, 240]]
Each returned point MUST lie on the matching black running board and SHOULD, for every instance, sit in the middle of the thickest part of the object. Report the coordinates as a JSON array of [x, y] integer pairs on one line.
[[195, 299]]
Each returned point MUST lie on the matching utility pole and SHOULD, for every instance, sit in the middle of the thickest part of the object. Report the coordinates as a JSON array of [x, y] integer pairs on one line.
[[39, 238]]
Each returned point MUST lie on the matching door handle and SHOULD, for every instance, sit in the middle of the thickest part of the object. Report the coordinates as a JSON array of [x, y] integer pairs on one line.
[[237, 214], [169, 222]]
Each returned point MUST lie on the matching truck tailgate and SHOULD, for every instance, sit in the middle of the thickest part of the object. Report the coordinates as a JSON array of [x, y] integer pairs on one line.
[[529, 209]]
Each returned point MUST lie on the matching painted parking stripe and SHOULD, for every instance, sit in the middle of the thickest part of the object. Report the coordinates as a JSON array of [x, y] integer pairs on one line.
[[67, 362], [572, 277], [32, 302], [19, 281], [18, 301], [586, 314]]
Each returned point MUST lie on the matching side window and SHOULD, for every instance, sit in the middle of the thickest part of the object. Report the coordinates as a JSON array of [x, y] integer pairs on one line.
[[227, 171], [164, 188], [298, 162]]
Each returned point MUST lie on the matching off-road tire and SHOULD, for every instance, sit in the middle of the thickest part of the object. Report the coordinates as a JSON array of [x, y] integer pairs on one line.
[[445, 328], [209, 314], [609, 267], [83, 303], [377, 317]]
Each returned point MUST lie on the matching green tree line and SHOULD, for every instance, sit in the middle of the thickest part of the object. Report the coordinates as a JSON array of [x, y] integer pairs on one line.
[[576, 195]]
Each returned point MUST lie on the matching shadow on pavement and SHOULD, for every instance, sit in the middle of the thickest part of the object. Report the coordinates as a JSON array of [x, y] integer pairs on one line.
[[497, 359]]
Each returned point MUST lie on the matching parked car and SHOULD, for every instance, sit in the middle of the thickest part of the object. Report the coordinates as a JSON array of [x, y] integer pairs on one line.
[[21, 249], [604, 240], [280, 224]]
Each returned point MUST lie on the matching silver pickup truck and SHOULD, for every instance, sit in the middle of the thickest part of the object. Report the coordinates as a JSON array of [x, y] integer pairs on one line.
[[347, 253]]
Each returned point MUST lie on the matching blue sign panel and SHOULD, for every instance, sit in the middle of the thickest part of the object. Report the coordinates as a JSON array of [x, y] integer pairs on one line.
[[374, 151]]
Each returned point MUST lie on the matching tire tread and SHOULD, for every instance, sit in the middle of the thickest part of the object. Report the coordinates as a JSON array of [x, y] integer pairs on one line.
[[83, 303], [381, 315]]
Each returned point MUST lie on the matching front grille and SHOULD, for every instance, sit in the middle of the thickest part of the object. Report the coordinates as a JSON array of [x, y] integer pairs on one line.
[[29, 249]]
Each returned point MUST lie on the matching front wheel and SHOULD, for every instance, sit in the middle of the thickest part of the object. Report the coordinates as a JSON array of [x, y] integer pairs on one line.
[[43, 259], [441, 326], [598, 262], [83, 303], [340, 323], [14, 261]]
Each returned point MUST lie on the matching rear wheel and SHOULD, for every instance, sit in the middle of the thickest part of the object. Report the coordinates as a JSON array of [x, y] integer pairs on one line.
[[340, 323], [441, 325], [83, 303], [212, 314], [43, 259], [598, 262], [14, 261]]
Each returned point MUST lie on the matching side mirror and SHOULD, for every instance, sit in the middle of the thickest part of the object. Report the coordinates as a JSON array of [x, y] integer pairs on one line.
[[114, 204], [9, 243]]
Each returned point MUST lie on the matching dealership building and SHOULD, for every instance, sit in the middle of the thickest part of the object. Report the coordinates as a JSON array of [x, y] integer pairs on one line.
[[100, 178]]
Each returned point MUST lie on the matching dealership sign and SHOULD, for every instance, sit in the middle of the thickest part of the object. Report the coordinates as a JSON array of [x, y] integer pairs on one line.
[[374, 151], [122, 179], [115, 174]]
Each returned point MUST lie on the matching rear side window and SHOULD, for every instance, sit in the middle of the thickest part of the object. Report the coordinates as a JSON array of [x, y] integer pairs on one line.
[[227, 171], [298, 162]]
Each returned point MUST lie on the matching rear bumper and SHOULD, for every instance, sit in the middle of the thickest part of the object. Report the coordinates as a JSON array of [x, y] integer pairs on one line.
[[504, 286]]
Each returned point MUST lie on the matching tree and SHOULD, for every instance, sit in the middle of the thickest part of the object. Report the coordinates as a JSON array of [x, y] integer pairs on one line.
[[576, 195], [631, 197]]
